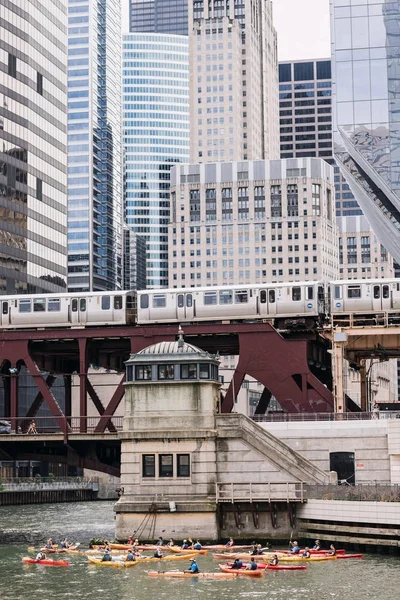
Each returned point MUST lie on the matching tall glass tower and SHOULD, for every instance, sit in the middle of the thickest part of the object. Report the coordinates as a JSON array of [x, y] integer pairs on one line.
[[94, 145], [156, 136], [159, 16], [366, 74], [33, 146]]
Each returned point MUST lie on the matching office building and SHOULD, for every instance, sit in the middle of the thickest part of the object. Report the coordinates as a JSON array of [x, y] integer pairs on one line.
[[233, 81], [158, 16], [156, 136], [365, 44], [134, 261], [94, 145], [252, 222], [33, 147]]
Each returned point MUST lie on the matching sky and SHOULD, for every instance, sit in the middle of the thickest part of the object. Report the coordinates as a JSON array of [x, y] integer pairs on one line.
[[302, 25]]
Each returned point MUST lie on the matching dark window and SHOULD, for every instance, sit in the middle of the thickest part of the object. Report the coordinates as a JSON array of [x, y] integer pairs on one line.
[[271, 296], [324, 70], [39, 83], [303, 71], [189, 371], [12, 65], [129, 373], [354, 291], [54, 305], [143, 372], [159, 301], [166, 372], [74, 305], [310, 293], [39, 189], [210, 298], [296, 294], [39, 305], [183, 465], [226, 297], [82, 304], [241, 297], [189, 300], [144, 301], [285, 72], [24, 306], [118, 303], [377, 292], [263, 297], [385, 291], [204, 372], [149, 465], [105, 302], [166, 465], [5, 308], [181, 301]]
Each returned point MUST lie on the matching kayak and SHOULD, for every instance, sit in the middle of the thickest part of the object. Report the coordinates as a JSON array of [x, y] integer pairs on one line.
[[287, 558], [278, 567], [317, 552], [112, 563], [247, 573], [350, 556], [46, 561], [200, 575], [247, 556], [59, 550], [173, 557], [177, 550]]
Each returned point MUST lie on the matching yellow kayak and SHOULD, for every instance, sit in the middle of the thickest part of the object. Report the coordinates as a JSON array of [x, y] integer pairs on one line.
[[286, 558], [112, 563], [177, 550], [174, 557]]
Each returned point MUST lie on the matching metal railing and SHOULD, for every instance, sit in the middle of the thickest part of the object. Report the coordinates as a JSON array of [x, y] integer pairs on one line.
[[348, 416], [361, 492], [260, 492], [50, 425], [15, 484]]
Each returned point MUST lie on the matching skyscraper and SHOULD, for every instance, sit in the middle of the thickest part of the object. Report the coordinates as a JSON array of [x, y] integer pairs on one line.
[[156, 136], [233, 80], [159, 16], [33, 146], [94, 145], [366, 55]]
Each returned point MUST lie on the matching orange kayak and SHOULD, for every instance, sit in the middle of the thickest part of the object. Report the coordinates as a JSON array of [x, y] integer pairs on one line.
[[46, 561], [244, 556], [186, 575], [247, 573], [177, 550]]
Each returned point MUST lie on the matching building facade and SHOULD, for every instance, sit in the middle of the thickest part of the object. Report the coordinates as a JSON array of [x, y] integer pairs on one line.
[[33, 146], [94, 145], [158, 16], [233, 81], [365, 52], [156, 136], [252, 222], [135, 250]]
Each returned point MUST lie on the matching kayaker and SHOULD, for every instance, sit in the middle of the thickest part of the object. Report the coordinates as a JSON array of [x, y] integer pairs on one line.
[[65, 544], [171, 543], [160, 542], [193, 567], [130, 557], [136, 542], [306, 553], [317, 545], [158, 553], [49, 544], [295, 548], [130, 540], [237, 564], [252, 566], [332, 550], [106, 556], [185, 545], [197, 545], [254, 549], [41, 556], [229, 543], [274, 561]]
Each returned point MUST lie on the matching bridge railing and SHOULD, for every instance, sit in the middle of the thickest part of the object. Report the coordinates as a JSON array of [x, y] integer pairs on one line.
[[15, 484], [366, 492], [359, 416], [260, 492], [50, 425]]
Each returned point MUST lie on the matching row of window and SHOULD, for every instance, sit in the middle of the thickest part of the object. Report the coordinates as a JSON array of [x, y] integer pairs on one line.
[[354, 291], [167, 465], [54, 304], [172, 371]]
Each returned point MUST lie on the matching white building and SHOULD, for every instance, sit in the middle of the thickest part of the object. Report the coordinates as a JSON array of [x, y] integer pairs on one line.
[[233, 80], [252, 222]]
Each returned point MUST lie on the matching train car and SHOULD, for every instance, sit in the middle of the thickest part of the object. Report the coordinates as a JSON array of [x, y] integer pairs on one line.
[[67, 310], [365, 302], [288, 305]]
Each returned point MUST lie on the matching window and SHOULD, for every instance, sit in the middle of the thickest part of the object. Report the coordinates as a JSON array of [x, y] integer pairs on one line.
[[183, 465], [144, 301], [263, 297], [241, 297], [74, 305], [12, 65], [189, 300], [39, 83], [165, 465], [310, 293], [226, 297], [159, 301], [5, 308], [296, 294], [385, 290], [105, 302], [143, 372], [166, 372], [118, 303], [181, 301], [189, 371], [377, 292], [149, 465], [39, 305], [204, 371], [354, 291], [24, 306], [39, 189], [271, 296], [210, 298], [82, 304]]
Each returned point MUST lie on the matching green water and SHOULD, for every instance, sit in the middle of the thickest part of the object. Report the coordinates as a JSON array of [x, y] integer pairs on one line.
[[373, 578]]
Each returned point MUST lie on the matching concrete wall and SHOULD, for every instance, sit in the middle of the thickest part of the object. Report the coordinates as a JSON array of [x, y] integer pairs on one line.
[[382, 513]]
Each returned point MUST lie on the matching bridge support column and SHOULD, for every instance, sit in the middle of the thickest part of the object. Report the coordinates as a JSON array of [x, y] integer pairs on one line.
[[68, 395], [14, 401], [82, 385], [339, 339], [363, 386]]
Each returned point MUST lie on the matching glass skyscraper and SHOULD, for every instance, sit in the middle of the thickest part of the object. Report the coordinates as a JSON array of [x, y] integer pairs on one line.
[[159, 16], [366, 74], [156, 136], [94, 145], [33, 146]]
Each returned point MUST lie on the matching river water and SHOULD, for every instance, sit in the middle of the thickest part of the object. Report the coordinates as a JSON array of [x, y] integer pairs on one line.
[[374, 578]]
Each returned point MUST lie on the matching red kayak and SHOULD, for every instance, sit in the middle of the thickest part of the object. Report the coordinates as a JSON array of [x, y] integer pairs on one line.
[[46, 561], [263, 566], [350, 556]]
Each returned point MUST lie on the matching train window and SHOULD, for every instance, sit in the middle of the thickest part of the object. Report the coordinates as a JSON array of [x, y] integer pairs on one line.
[[105, 302], [210, 298], [354, 291], [5, 308], [189, 300], [24, 306], [143, 372], [39, 305], [226, 297], [166, 371], [271, 296], [296, 294], [54, 305], [82, 304], [159, 301], [241, 297], [385, 291], [144, 301], [377, 292], [131, 302], [74, 305], [263, 297], [118, 303], [310, 293], [181, 301], [338, 292]]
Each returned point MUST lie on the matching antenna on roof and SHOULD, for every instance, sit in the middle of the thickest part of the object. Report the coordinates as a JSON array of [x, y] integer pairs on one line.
[[181, 341]]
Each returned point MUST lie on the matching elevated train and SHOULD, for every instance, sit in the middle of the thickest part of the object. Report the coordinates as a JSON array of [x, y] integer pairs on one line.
[[296, 305]]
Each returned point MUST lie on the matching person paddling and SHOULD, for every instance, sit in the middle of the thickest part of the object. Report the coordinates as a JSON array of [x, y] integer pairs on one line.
[[332, 550], [197, 545], [274, 561], [65, 544], [106, 556], [229, 543], [193, 567], [171, 543], [306, 553], [252, 566], [41, 556], [130, 557], [158, 553], [49, 545], [317, 545], [160, 542], [185, 545], [237, 564], [295, 548]]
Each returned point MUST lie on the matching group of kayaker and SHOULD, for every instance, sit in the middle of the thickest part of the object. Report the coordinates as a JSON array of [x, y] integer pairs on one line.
[[295, 549]]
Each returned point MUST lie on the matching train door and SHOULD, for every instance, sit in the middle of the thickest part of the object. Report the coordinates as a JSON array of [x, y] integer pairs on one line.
[[380, 297], [78, 311], [184, 307], [267, 302], [5, 313]]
